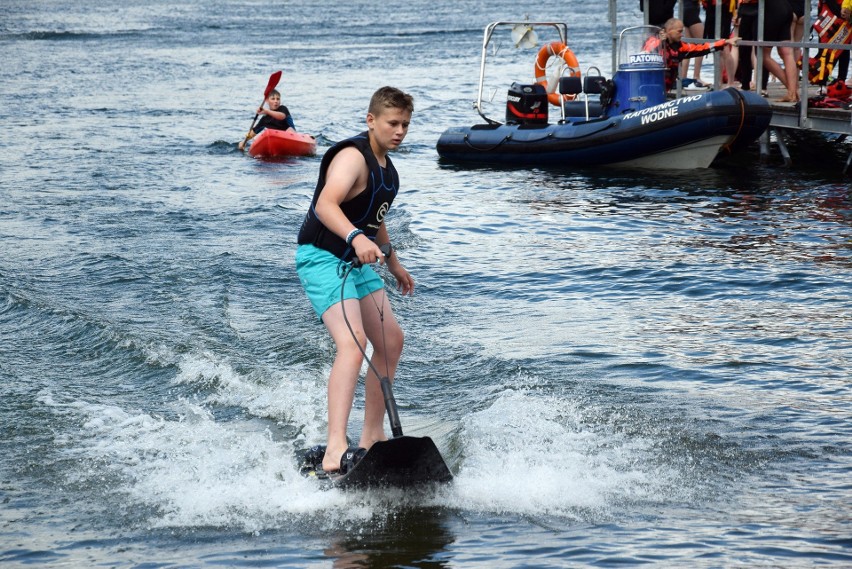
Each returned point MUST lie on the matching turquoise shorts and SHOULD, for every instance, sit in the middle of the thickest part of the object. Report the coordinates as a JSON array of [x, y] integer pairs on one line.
[[321, 274]]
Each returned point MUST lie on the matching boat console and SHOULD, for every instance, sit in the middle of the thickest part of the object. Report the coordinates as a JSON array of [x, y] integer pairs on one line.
[[640, 79]]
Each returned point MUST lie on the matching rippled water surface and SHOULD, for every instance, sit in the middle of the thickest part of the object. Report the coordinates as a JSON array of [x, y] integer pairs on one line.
[[621, 368]]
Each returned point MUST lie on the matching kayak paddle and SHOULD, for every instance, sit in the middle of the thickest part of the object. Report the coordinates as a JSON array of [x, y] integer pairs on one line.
[[273, 81]]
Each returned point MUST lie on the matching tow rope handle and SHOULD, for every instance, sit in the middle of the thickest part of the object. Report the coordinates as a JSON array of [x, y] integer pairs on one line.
[[385, 249]]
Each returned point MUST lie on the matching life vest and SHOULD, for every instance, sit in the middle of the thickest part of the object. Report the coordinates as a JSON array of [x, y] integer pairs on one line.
[[267, 121], [366, 211], [829, 28], [839, 90]]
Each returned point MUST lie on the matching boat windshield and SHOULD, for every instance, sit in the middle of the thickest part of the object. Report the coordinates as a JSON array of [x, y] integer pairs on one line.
[[640, 47]]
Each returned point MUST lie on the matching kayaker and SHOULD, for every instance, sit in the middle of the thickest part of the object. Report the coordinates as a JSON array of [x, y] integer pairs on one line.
[[275, 116], [357, 184]]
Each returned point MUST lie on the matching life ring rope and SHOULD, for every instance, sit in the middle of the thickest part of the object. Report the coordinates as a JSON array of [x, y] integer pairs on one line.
[[555, 49]]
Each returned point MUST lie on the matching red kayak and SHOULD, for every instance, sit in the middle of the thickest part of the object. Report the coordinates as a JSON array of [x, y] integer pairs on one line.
[[272, 143]]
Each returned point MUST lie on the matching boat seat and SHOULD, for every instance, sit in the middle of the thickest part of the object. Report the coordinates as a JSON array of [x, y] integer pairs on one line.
[[593, 84], [582, 107], [569, 85]]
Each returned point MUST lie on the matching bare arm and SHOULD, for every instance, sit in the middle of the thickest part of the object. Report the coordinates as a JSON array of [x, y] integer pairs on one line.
[[346, 177], [277, 115]]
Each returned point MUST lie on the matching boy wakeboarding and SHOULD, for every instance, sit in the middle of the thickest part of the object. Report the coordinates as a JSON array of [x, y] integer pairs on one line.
[[356, 187]]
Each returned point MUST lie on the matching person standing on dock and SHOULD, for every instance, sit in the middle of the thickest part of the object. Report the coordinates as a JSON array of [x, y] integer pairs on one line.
[[694, 28], [843, 60], [778, 17], [729, 54], [797, 28]]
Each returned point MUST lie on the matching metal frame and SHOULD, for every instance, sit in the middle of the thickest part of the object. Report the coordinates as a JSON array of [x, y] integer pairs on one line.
[[560, 27]]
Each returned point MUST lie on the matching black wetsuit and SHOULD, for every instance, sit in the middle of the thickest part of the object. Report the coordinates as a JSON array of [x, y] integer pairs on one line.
[[366, 210], [710, 19], [691, 13]]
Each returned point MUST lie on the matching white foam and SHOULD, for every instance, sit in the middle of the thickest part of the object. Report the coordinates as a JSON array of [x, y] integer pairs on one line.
[[194, 470], [299, 398], [526, 453], [534, 454]]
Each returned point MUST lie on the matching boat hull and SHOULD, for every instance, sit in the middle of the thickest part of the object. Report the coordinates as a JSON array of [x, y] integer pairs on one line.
[[681, 133], [272, 143]]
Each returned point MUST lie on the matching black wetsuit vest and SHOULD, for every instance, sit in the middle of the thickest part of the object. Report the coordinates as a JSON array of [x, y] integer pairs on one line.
[[366, 211]]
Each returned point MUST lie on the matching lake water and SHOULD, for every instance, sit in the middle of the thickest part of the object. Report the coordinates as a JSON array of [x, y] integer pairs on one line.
[[621, 368]]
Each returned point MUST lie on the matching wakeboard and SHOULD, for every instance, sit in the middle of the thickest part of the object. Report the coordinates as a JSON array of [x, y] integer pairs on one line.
[[400, 462]]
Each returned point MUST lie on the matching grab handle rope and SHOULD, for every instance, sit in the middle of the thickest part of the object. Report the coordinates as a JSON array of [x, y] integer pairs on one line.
[[384, 381]]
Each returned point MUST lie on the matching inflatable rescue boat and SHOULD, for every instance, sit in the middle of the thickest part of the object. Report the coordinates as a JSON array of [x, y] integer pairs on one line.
[[623, 121]]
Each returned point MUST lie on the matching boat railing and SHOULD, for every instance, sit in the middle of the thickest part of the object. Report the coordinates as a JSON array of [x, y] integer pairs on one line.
[[560, 27]]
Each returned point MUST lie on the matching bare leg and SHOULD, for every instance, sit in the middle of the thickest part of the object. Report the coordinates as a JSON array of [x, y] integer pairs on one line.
[[791, 72], [729, 60], [733, 61], [693, 31], [387, 338], [797, 32], [772, 66], [343, 377], [788, 74], [696, 31]]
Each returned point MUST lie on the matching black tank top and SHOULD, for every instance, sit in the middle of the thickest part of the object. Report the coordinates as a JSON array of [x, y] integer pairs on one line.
[[366, 211]]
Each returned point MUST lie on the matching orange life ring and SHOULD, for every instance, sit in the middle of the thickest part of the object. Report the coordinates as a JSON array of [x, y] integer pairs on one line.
[[557, 49]]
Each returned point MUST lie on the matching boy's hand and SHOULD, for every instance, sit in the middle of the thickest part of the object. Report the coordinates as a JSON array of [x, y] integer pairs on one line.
[[404, 282]]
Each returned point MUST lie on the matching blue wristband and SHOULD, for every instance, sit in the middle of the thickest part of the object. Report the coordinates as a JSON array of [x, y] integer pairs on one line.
[[352, 235]]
